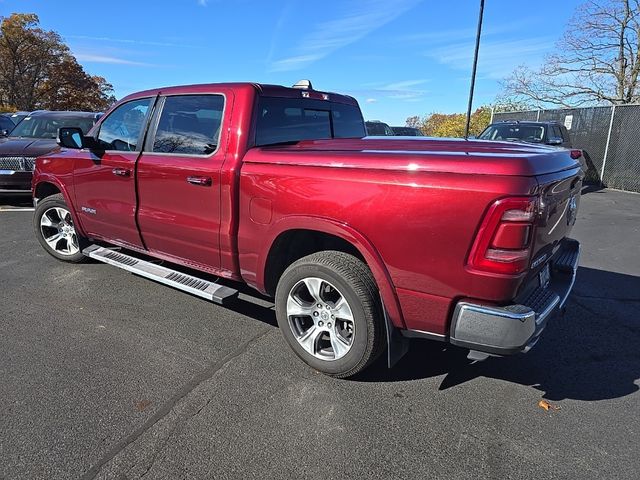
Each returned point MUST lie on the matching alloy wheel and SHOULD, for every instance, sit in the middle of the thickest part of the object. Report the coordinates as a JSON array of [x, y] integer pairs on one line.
[[56, 227], [320, 318]]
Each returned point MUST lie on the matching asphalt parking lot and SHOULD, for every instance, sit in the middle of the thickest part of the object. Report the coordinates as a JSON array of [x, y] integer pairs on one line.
[[107, 375]]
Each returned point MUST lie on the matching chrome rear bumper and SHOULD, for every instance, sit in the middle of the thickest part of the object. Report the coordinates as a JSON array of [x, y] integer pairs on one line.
[[505, 330]]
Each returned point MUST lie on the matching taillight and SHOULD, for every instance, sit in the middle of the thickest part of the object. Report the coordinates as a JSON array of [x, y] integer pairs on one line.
[[503, 242], [576, 154]]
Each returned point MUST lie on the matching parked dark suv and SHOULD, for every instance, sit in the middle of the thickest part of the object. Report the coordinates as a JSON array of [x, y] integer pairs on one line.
[[548, 133], [14, 117], [6, 125], [35, 135], [407, 131], [378, 128]]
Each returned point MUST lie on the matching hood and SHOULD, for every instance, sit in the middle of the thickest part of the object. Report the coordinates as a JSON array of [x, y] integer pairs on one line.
[[28, 147], [426, 154]]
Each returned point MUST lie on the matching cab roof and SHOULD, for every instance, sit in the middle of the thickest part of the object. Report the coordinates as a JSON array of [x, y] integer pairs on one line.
[[262, 89]]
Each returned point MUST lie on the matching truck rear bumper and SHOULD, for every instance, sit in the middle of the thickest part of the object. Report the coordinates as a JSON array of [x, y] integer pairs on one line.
[[516, 328]]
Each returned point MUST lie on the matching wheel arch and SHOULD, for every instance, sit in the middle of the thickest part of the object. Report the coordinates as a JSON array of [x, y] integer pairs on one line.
[[295, 237], [47, 186], [45, 189]]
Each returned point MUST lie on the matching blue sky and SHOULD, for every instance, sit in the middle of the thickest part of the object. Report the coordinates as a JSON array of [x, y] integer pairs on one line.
[[397, 57]]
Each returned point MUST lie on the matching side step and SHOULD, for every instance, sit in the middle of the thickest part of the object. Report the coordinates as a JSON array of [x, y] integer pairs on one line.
[[194, 285]]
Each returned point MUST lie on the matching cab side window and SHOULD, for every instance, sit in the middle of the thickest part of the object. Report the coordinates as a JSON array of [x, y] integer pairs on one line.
[[189, 125], [122, 129]]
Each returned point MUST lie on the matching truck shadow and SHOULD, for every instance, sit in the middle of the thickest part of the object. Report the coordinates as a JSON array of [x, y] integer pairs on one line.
[[590, 353], [21, 201]]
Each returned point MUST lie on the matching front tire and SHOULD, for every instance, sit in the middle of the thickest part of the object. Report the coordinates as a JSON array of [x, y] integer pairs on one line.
[[54, 229], [329, 312]]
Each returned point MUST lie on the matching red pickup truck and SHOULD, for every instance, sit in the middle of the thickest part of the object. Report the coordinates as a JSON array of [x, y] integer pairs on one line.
[[363, 242]]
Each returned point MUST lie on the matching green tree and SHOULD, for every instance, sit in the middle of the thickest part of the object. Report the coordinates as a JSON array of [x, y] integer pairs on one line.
[[38, 71]]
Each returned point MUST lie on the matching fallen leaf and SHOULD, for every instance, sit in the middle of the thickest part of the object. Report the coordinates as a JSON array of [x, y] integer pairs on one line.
[[142, 404], [547, 406]]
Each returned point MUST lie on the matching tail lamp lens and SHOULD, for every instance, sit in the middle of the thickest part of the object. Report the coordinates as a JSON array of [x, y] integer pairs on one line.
[[503, 242]]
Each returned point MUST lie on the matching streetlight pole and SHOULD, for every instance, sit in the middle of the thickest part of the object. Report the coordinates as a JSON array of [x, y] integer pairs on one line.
[[473, 72]]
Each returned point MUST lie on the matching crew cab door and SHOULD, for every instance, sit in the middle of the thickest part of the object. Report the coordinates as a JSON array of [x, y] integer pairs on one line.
[[105, 180], [179, 179]]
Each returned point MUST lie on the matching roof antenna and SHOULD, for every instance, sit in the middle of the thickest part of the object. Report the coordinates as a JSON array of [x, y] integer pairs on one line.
[[303, 85], [473, 72]]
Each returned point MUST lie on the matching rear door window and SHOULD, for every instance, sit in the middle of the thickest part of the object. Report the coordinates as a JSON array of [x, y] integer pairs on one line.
[[188, 125]]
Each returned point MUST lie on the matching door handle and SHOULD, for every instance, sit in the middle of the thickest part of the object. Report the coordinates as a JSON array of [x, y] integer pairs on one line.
[[202, 181], [121, 172]]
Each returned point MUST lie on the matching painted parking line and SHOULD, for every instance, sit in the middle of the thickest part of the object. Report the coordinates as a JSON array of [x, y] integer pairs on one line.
[[17, 209]]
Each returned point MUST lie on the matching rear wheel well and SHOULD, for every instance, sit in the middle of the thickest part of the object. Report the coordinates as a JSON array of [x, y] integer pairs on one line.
[[295, 244], [45, 189]]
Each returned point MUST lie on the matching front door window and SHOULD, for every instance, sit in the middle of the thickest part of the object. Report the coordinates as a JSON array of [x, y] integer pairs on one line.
[[122, 129]]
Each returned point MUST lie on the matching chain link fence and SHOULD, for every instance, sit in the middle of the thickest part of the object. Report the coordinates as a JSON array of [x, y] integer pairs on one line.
[[609, 135]]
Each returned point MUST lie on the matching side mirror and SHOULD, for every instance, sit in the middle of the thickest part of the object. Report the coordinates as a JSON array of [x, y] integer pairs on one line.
[[4, 133], [554, 141], [70, 137]]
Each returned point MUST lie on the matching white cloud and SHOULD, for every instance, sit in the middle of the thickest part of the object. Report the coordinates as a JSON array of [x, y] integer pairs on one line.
[[282, 19], [496, 59], [404, 90], [352, 23], [405, 84], [89, 57], [457, 34], [295, 63], [126, 40]]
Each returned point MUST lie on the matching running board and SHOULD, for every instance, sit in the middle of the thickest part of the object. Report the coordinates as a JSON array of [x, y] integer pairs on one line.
[[194, 285]]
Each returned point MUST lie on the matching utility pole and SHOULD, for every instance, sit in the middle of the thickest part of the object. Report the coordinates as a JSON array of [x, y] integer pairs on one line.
[[473, 72]]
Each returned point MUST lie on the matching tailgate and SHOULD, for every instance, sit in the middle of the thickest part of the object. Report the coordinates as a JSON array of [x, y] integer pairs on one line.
[[559, 202]]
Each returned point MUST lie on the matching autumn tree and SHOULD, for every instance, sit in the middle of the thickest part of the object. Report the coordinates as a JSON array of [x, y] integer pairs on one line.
[[451, 124], [413, 122], [597, 61], [38, 71]]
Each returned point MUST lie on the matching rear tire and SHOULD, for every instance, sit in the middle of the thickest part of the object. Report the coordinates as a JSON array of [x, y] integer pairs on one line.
[[54, 229], [329, 312]]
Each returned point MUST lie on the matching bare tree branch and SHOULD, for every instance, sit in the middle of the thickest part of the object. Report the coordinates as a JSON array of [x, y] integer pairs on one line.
[[596, 61]]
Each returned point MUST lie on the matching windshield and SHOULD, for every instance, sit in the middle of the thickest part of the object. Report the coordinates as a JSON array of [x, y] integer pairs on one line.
[[47, 126], [514, 133]]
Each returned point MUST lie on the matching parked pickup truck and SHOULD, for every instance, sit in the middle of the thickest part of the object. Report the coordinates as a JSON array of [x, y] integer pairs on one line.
[[363, 242]]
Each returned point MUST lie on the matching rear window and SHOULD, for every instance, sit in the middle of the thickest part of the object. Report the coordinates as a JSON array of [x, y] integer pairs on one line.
[[294, 119], [379, 129], [517, 132]]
